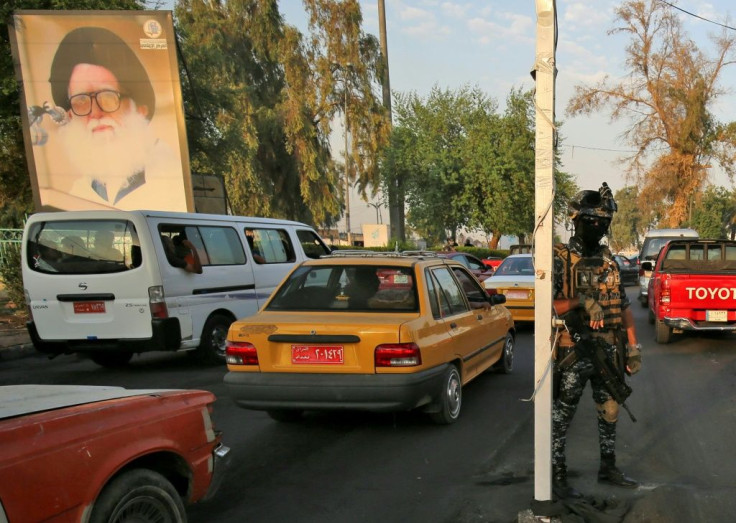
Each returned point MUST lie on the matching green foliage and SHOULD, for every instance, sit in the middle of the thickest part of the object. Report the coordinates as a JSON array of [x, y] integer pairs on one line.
[[713, 215], [261, 101], [10, 274], [463, 164], [628, 223]]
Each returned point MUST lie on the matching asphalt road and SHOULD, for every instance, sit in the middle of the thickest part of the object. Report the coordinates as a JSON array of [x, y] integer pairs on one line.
[[401, 468]]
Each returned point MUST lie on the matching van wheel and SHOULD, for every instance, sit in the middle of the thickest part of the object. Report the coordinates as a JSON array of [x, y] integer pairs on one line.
[[663, 332], [212, 345], [449, 399], [506, 364], [111, 360], [139, 495]]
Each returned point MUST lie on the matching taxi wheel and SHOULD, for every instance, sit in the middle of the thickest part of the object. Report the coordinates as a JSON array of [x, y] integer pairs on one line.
[[212, 344], [139, 495], [506, 364], [449, 399]]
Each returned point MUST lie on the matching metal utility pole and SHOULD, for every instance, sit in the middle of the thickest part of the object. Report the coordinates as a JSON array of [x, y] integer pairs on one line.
[[347, 158], [544, 74], [395, 192]]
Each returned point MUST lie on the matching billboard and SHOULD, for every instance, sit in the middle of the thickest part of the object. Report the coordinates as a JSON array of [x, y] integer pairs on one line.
[[102, 110]]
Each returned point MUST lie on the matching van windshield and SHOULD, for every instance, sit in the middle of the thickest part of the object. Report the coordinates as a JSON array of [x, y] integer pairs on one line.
[[83, 247]]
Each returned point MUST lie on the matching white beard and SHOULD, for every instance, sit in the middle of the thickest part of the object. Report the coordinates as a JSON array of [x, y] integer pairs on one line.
[[110, 156]]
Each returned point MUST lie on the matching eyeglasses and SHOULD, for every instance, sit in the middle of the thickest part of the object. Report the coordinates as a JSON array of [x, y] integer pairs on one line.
[[108, 101]]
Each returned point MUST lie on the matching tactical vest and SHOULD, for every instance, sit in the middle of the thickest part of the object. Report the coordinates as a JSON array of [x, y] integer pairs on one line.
[[597, 276]]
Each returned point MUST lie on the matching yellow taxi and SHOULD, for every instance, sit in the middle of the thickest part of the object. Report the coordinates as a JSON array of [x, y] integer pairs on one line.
[[369, 331], [514, 278]]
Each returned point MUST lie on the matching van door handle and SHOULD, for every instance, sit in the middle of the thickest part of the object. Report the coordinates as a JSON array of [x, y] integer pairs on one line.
[[453, 325]]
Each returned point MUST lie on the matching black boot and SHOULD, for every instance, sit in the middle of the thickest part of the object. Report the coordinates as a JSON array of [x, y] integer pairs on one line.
[[609, 473], [560, 488]]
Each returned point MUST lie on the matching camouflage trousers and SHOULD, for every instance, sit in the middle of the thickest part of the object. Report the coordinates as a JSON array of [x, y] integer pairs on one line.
[[571, 386]]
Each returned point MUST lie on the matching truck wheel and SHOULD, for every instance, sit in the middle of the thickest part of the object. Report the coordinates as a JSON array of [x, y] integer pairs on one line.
[[651, 317], [664, 333], [506, 364], [449, 399], [140, 495], [111, 360], [212, 345]]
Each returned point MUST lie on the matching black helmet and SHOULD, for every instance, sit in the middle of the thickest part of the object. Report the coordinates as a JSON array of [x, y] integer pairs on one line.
[[598, 203]]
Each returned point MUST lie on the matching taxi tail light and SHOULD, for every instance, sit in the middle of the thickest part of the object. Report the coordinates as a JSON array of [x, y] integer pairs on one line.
[[157, 302], [491, 292], [240, 353], [398, 355]]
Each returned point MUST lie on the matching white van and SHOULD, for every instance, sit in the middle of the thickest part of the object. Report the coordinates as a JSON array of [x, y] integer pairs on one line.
[[111, 303], [653, 243]]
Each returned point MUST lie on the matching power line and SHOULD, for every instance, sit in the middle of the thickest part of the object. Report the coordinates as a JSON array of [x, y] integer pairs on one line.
[[697, 16]]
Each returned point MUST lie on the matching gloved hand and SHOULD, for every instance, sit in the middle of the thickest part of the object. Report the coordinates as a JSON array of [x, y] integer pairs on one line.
[[633, 358], [592, 308]]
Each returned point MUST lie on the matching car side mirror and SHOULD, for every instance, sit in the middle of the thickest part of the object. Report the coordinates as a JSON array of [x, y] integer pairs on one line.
[[647, 266], [497, 299]]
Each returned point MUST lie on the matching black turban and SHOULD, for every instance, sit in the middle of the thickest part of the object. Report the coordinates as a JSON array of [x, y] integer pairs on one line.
[[98, 46]]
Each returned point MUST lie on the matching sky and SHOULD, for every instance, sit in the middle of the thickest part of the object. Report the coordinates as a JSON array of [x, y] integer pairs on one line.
[[490, 44]]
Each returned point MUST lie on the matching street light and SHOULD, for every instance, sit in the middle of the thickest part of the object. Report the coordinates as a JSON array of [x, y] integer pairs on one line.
[[377, 206]]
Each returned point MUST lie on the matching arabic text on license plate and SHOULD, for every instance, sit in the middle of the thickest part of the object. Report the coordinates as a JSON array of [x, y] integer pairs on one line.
[[516, 295], [716, 315], [327, 354], [89, 307]]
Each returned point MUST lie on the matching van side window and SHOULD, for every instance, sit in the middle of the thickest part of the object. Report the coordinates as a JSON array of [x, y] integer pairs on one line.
[[222, 245], [215, 245], [270, 245], [312, 244]]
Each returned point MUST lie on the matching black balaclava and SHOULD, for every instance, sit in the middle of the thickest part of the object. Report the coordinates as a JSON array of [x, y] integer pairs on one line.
[[591, 232]]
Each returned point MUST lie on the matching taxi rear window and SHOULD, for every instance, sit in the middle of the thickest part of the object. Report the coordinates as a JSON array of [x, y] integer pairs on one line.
[[348, 288]]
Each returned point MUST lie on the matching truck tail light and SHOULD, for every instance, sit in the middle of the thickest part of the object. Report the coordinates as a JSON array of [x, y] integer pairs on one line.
[[241, 353], [398, 355], [157, 302], [665, 295]]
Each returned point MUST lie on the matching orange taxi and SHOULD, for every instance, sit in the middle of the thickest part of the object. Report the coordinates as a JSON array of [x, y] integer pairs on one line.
[[369, 331]]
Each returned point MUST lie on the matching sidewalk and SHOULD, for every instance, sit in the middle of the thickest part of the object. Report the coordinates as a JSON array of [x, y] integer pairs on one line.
[[14, 339]]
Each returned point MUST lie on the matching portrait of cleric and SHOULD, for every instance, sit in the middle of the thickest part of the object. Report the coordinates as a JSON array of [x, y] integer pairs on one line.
[[94, 141]]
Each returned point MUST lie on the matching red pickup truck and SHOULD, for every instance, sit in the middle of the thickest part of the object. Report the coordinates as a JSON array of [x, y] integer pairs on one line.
[[89, 454], [693, 287]]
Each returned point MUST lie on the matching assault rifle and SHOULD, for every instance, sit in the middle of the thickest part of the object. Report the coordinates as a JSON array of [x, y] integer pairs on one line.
[[595, 349]]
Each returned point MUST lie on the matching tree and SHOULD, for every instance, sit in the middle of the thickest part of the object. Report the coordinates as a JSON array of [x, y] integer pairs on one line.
[[464, 165], [262, 102], [670, 89], [628, 223], [16, 199], [712, 214]]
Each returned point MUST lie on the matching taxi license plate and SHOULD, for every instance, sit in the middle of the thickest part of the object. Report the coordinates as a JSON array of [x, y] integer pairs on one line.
[[516, 295], [716, 315], [401, 278], [322, 354], [89, 307]]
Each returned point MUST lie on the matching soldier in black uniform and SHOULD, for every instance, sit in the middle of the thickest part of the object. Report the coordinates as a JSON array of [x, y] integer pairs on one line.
[[588, 282]]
